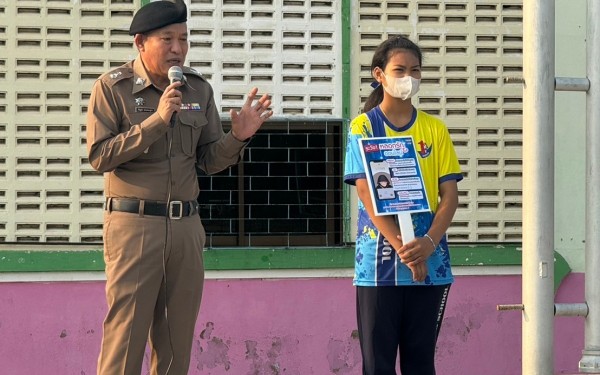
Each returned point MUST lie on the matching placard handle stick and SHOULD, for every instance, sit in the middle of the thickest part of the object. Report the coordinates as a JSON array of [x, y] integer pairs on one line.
[[406, 227]]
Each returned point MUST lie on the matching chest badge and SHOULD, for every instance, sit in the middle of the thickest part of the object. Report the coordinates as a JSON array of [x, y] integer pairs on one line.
[[424, 149], [139, 101], [191, 106]]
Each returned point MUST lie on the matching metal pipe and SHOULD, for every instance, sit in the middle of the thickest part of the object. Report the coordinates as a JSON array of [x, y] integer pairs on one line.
[[560, 309], [570, 309], [538, 187], [590, 361], [571, 84], [512, 307]]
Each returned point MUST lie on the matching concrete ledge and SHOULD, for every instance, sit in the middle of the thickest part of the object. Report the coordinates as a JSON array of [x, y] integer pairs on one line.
[[477, 259]]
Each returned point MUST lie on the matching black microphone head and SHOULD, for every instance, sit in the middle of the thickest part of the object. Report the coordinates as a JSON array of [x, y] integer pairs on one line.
[[175, 74]]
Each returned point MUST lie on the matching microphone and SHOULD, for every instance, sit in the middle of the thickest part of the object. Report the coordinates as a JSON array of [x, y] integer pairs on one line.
[[175, 74]]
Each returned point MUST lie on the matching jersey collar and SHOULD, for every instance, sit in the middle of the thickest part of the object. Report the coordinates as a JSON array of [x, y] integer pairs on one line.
[[402, 128]]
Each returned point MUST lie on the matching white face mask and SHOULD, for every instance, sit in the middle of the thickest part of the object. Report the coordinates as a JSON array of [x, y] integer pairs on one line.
[[403, 87]]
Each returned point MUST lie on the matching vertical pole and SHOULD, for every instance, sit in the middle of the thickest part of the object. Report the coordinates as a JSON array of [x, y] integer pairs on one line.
[[347, 84], [590, 361], [538, 187]]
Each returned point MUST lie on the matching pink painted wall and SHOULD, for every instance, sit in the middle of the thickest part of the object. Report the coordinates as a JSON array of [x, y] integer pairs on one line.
[[273, 327]]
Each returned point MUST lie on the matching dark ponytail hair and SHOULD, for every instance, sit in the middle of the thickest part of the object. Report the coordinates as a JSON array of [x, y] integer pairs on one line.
[[381, 56]]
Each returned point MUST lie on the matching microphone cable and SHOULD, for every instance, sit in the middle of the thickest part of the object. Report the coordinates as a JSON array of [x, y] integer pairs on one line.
[[164, 262], [173, 74]]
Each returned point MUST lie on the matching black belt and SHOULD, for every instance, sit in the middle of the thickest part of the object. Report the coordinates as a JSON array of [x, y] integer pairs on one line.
[[173, 209]]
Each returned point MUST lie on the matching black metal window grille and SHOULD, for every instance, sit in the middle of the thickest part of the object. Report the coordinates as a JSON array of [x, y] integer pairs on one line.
[[286, 192]]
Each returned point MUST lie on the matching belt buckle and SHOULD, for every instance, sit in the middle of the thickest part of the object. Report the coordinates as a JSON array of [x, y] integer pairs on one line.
[[172, 208]]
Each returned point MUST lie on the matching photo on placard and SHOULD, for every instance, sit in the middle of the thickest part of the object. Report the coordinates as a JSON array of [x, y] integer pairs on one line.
[[381, 175]]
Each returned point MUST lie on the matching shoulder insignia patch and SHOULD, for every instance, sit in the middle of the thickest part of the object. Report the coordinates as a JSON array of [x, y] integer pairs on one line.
[[116, 75], [193, 72]]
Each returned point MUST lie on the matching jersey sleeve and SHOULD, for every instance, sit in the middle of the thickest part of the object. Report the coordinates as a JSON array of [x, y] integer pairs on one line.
[[354, 168], [449, 168]]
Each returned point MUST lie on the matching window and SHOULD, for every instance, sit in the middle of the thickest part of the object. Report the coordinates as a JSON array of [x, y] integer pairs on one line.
[[286, 192]]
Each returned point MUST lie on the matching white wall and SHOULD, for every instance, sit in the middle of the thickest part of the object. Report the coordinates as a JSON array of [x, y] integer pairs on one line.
[[570, 134]]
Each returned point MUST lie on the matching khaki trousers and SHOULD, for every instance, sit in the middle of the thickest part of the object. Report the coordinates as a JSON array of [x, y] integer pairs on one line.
[[153, 292]]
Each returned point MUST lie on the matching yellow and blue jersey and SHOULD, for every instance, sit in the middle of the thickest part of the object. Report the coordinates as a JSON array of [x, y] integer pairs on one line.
[[376, 262]]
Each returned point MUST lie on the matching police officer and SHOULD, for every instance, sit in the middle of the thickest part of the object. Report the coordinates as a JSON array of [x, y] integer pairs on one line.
[[148, 136]]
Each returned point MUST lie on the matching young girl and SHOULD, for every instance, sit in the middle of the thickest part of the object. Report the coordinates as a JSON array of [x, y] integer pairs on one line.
[[401, 299]]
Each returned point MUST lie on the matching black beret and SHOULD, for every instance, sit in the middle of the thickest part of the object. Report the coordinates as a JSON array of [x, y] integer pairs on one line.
[[158, 14]]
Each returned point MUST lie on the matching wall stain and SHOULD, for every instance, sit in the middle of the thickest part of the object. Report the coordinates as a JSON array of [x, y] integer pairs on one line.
[[206, 332], [63, 334], [260, 366], [269, 355], [211, 352], [344, 355], [467, 318]]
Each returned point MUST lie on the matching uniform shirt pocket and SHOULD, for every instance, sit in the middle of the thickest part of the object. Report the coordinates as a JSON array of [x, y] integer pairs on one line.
[[190, 127], [158, 149]]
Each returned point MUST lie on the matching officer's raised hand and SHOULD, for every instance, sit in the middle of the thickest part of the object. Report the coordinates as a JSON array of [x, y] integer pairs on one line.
[[250, 118]]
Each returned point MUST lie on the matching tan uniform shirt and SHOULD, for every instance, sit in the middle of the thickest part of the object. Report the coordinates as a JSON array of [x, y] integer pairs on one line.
[[129, 142]]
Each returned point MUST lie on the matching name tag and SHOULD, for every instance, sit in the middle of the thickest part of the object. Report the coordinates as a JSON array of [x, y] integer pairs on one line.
[[143, 109]]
